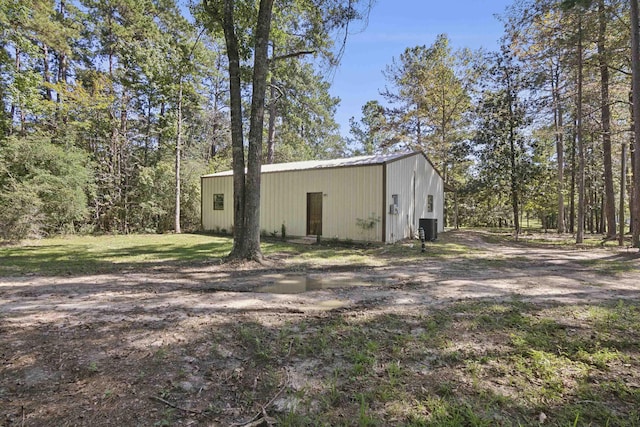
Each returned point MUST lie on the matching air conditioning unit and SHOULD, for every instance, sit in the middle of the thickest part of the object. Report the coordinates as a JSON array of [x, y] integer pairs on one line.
[[393, 209]]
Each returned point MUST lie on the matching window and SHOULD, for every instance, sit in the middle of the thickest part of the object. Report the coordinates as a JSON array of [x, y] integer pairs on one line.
[[430, 203], [218, 202]]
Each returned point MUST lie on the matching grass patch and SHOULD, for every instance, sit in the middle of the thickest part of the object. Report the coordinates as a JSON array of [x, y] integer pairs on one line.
[[475, 364], [74, 255], [441, 249], [102, 254], [611, 265]]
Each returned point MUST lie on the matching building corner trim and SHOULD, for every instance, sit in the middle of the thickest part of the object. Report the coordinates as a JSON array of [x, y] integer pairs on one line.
[[384, 202]]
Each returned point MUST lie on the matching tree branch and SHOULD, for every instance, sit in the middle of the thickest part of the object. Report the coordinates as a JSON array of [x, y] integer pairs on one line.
[[190, 411], [280, 93], [293, 55], [626, 73]]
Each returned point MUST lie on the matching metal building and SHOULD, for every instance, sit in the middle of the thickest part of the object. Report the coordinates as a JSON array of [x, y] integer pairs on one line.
[[378, 198]]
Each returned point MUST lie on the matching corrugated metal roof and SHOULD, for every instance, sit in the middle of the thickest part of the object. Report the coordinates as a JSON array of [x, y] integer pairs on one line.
[[375, 159]]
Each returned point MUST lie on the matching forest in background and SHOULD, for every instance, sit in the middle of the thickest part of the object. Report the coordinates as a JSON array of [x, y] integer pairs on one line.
[[113, 109]]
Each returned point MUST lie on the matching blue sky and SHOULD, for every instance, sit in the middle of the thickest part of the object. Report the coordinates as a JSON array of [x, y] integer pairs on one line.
[[397, 24]]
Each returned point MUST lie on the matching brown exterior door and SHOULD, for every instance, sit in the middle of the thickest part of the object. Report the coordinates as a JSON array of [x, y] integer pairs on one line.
[[314, 214]]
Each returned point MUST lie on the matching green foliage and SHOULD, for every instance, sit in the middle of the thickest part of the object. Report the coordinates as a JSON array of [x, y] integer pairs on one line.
[[304, 112], [20, 212], [43, 187], [372, 132], [107, 78], [112, 81], [368, 223], [156, 194], [431, 98], [501, 141]]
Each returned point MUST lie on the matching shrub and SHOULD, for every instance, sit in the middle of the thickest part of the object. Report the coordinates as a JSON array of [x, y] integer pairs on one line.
[[43, 187]]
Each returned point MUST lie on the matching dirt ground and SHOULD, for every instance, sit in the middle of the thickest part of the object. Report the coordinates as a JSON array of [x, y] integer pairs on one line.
[[161, 347]]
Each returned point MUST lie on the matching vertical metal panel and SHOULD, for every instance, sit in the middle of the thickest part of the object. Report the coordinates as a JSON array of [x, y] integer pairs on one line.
[[217, 219], [385, 237], [412, 179], [348, 194]]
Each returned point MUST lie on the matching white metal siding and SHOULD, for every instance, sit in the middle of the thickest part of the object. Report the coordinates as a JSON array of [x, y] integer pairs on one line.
[[402, 177], [349, 193], [217, 220]]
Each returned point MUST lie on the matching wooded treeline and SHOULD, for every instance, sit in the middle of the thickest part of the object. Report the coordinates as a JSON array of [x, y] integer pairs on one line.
[[106, 102], [112, 109], [542, 128]]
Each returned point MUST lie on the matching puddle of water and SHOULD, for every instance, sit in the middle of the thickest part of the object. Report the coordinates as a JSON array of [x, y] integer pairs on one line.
[[300, 284]]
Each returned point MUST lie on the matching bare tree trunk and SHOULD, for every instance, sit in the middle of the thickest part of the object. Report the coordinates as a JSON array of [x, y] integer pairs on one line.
[[20, 105], [247, 187], [147, 138], [46, 73], [558, 121], [600, 216], [581, 156], [62, 59], [514, 184], [256, 120], [123, 164], [572, 202], [632, 138], [635, 62], [237, 143], [632, 193], [623, 176], [514, 173], [456, 210], [14, 106], [271, 134], [178, 229], [605, 110]]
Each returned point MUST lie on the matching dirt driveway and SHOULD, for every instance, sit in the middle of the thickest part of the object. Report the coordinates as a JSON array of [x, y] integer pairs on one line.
[[180, 345]]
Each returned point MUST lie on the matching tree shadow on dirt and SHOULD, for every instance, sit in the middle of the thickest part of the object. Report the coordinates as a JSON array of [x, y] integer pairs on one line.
[[478, 362], [455, 342]]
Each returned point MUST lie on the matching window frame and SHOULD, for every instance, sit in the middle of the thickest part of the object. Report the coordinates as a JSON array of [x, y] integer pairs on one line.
[[218, 201]]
